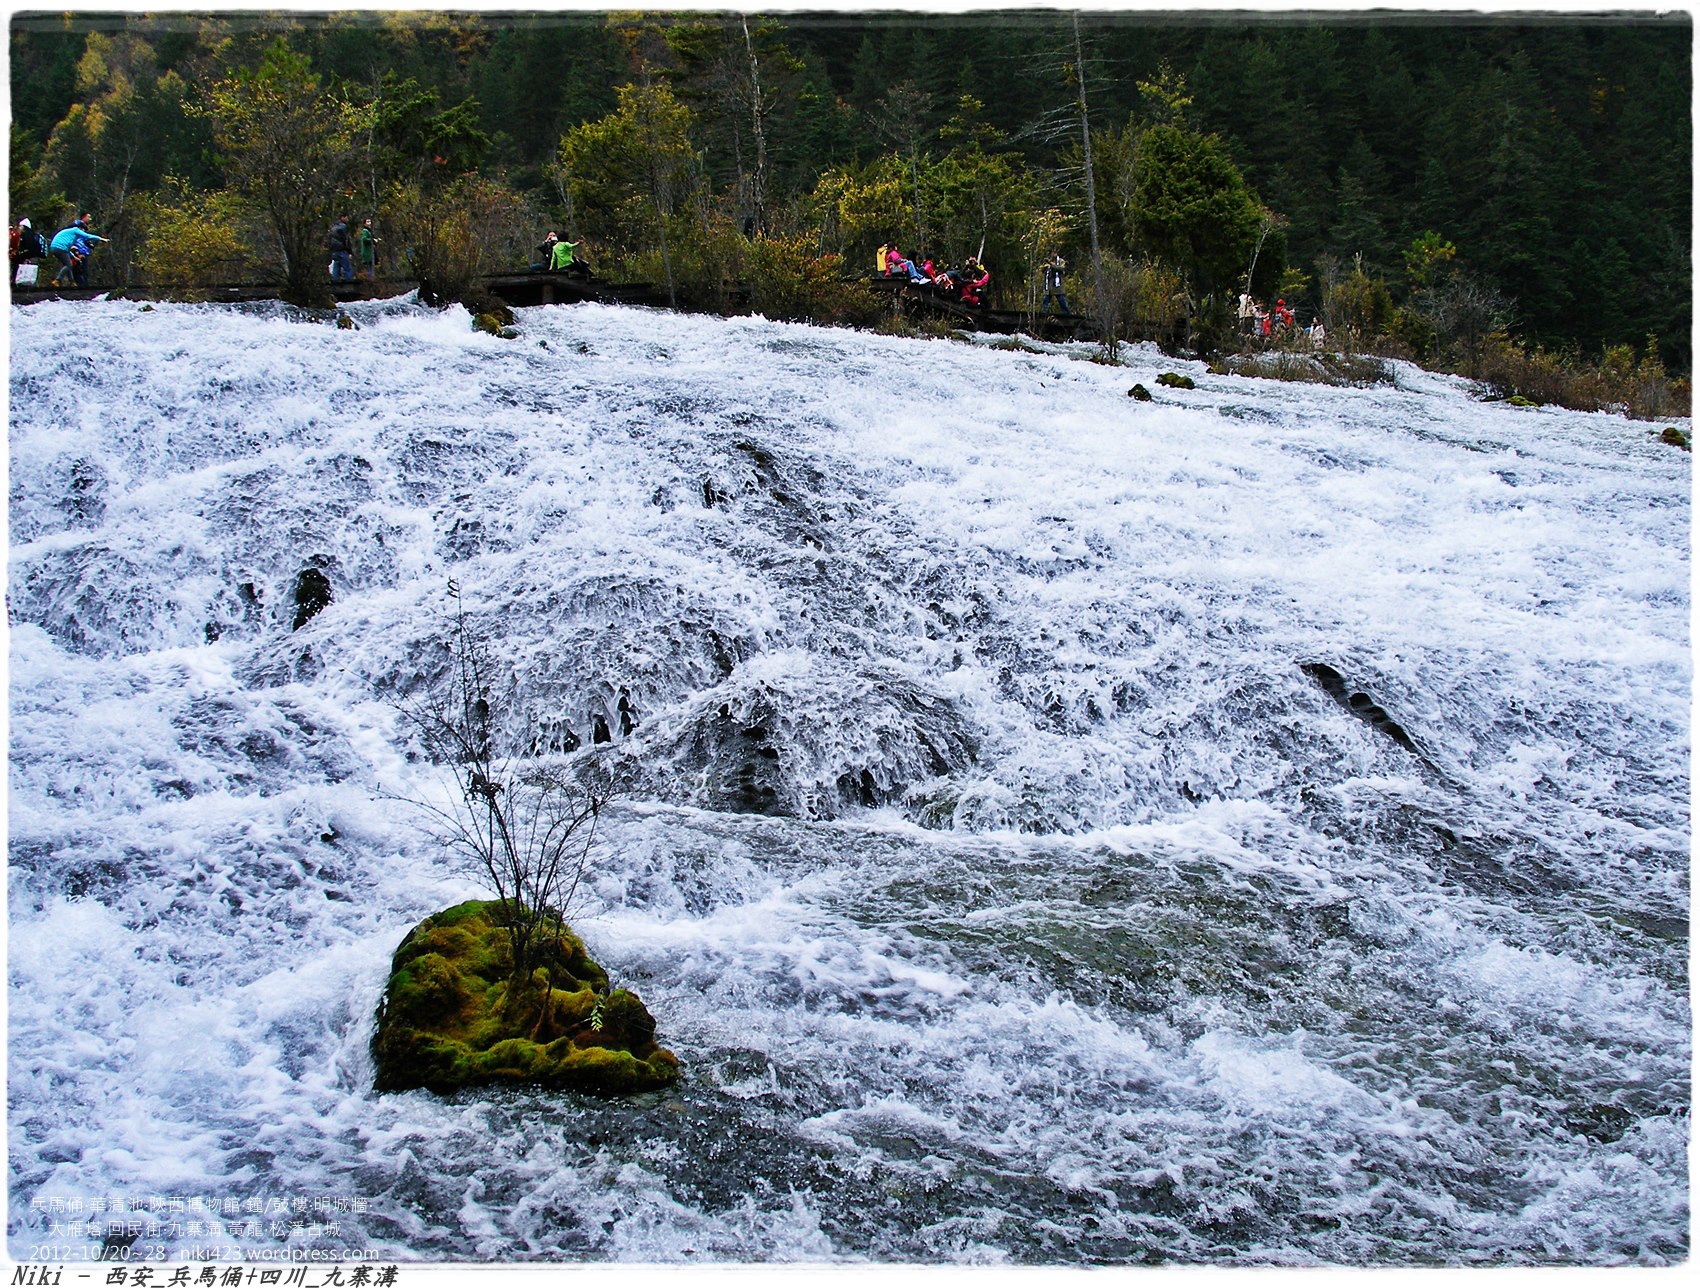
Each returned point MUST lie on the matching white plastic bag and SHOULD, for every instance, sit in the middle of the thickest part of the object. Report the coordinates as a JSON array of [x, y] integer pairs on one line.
[[26, 275]]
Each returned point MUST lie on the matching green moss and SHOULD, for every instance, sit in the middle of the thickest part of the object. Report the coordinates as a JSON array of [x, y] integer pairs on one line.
[[1174, 380], [455, 1015]]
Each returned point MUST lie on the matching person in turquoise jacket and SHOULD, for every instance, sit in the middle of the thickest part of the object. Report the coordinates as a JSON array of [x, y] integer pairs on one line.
[[72, 247]]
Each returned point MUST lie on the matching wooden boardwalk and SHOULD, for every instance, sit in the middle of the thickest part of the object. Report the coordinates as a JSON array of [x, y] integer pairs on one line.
[[926, 299]]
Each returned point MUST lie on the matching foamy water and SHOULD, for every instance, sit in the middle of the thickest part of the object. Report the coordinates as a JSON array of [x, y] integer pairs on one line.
[[1009, 888]]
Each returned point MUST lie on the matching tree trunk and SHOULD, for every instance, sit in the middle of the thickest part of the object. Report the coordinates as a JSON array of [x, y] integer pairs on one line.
[[757, 111], [1106, 326]]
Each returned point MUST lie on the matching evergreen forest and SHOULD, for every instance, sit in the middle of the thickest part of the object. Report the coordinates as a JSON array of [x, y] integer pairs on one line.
[[1428, 182]]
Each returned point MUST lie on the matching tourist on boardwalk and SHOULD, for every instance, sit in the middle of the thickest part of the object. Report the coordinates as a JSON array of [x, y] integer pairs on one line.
[[1248, 313], [1317, 334], [341, 248], [564, 258], [27, 247], [368, 252], [975, 278], [897, 266], [1053, 274], [72, 247], [26, 243]]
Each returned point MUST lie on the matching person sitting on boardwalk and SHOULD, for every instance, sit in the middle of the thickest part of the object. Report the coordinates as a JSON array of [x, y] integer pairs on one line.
[[897, 266], [883, 257], [564, 258], [975, 278]]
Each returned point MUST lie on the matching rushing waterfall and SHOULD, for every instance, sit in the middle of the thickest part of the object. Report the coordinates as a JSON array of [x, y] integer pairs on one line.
[[1249, 826]]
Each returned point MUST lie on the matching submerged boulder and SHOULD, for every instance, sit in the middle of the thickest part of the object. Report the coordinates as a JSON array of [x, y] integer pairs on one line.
[[455, 1015]]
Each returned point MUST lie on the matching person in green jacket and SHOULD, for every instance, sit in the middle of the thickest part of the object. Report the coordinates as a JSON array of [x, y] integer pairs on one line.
[[564, 258], [367, 245]]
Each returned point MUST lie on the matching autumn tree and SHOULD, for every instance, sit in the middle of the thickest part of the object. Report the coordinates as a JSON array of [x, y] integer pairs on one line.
[[422, 162], [290, 149], [627, 176], [128, 132]]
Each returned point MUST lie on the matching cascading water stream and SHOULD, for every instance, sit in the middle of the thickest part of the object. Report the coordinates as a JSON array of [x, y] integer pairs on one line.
[[1249, 827]]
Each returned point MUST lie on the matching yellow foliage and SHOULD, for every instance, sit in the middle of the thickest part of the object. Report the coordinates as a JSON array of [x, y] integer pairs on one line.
[[790, 279], [192, 239]]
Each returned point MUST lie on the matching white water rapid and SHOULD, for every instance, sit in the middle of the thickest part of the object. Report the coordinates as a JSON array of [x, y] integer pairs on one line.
[[1249, 827]]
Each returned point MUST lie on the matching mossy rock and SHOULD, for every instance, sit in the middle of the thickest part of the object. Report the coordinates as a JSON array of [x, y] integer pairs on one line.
[[1174, 380], [1517, 400], [482, 304], [1139, 393], [455, 1014], [1675, 438]]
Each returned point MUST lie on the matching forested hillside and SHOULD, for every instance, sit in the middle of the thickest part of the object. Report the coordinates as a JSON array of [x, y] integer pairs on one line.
[[1537, 171]]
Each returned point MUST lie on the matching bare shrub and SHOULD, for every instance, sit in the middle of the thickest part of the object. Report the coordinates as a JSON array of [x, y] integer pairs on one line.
[[452, 233], [522, 825], [1138, 300]]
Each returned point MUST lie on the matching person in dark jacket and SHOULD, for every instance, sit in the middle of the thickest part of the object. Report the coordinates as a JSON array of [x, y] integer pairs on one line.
[[341, 247], [26, 243], [1054, 283]]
